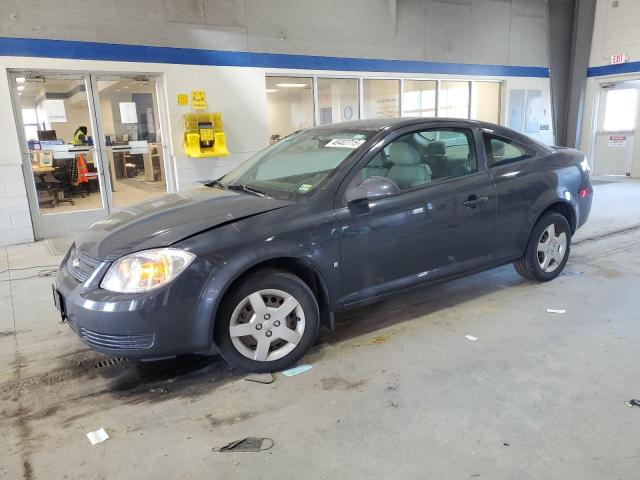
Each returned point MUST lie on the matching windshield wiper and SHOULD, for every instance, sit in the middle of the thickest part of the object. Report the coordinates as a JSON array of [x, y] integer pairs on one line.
[[215, 183], [252, 190]]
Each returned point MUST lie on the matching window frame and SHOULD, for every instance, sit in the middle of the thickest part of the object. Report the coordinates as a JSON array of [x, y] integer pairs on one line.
[[486, 137], [382, 143]]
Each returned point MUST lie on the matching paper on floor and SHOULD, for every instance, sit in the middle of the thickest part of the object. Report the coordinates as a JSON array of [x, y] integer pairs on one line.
[[471, 338], [98, 436], [553, 310], [296, 370]]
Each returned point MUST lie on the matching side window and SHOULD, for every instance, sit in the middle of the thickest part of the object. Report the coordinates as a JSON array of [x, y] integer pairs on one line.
[[502, 150], [423, 157]]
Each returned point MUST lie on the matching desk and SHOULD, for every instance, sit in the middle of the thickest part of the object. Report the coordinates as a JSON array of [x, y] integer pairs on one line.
[[116, 155], [40, 170]]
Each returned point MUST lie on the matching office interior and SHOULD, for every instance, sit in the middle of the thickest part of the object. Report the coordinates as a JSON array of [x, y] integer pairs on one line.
[[68, 171]]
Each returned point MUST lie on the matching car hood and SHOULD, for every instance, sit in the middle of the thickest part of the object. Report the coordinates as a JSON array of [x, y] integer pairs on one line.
[[169, 219]]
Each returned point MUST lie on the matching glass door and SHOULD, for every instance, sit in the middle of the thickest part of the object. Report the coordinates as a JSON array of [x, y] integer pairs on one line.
[[63, 172], [616, 129], [130, 139]]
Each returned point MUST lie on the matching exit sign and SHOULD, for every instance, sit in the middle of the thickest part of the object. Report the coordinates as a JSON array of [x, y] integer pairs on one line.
[[618, 58]]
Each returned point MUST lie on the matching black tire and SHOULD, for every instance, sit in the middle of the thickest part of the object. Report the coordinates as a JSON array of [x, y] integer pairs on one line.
[[267, 279], [528, 266]]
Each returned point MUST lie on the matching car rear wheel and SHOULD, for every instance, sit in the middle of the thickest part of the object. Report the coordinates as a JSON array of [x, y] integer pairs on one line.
[[548, 249], [268, 322]]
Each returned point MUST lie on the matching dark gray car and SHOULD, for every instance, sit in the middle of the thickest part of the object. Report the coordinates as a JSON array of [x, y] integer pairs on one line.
[[254, 263]]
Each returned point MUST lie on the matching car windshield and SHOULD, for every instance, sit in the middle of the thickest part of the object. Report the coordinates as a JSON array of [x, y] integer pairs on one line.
[[296, 165]]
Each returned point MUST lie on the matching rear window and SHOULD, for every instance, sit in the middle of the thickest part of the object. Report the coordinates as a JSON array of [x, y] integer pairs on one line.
[[501, 150]]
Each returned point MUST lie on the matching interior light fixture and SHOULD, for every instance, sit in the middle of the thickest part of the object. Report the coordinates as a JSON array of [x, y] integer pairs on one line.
[[272, 90], [20, 88], [20, 80], [291, 85]]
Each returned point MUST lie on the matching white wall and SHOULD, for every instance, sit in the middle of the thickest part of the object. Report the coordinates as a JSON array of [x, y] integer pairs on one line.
[[499, 32], [15, 222], [616, 30]]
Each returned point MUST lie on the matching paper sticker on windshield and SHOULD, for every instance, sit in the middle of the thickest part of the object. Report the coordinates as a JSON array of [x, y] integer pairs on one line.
[[345, 143], [305, 187]]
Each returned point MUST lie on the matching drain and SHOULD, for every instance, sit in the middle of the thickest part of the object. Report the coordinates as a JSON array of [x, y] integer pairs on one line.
[[111, 362]]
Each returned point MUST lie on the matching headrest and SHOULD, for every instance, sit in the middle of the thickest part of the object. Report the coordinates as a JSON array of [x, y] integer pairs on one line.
[[497, 149], [437, 147], [377, 161], [402, 153]]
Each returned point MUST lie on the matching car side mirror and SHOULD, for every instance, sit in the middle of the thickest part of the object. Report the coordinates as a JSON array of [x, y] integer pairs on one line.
[[372, 188]]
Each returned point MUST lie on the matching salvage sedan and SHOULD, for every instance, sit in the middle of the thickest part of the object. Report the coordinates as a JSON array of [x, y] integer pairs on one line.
[[252, 264]]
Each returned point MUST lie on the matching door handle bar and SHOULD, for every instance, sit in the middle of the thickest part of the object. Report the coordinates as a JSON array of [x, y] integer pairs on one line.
[[473, 202]]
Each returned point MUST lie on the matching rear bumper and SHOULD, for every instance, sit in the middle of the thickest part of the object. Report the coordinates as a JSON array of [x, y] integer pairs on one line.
[[169, 321]]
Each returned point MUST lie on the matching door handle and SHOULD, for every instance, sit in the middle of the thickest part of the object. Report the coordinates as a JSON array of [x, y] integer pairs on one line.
[[473, 201]]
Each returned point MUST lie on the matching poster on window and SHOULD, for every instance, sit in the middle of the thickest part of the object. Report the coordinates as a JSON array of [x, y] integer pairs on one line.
[[128, 112], [55, 111], [617, 140]]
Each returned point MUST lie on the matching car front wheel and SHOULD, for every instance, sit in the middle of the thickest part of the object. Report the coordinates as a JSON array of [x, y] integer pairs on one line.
[[268, 322], [548, 249]]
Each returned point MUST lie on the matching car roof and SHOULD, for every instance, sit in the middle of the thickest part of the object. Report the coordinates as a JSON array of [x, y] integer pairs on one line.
[[382, 123], [379, 124]]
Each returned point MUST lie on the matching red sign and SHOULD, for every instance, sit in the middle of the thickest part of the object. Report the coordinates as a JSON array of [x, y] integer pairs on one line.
[[618, 58], [617, 140]]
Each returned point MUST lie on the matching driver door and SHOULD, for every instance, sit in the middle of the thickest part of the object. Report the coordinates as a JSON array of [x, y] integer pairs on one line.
[[441, 222]]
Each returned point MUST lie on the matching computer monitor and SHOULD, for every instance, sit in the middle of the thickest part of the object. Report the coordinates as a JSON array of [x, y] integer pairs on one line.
[[47, 135]]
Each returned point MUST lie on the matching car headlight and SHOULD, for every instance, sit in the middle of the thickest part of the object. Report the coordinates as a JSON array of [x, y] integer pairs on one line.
[[146, 270]]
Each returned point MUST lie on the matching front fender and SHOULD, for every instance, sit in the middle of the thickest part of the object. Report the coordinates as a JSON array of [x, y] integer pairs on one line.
[[311, 241]]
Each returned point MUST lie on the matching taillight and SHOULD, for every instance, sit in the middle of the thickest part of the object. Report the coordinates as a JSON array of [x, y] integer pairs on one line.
[[584, 193]]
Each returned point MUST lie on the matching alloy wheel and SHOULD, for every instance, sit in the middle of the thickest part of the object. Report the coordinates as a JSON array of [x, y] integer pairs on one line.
[[267, 325], [552, 248]]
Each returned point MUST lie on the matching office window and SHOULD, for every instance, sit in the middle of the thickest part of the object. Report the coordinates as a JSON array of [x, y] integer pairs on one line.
[[485, 101], [502, 150], [30, 122], [289, 105], [454, 99], [621, 110], [29, 116], [31, 132], [419, 98], [338, 100], [381, 98]]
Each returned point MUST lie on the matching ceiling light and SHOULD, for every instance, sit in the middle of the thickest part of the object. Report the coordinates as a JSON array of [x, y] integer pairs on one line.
[[272, 90], [20, 87], [20, 80], [291, 85]]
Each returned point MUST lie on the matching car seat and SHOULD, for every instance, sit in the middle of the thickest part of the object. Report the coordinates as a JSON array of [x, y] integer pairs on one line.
[[376, 167], [408, 169], [436, 158]]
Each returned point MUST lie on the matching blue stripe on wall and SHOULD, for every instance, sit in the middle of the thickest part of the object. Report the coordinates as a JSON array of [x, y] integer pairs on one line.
[[27, 47], [602, 70]]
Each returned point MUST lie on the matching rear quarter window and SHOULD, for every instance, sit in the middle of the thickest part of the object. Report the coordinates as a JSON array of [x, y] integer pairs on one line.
[[501, 150]]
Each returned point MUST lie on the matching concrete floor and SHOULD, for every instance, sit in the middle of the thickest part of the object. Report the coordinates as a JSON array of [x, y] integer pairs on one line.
[[396, 392]]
